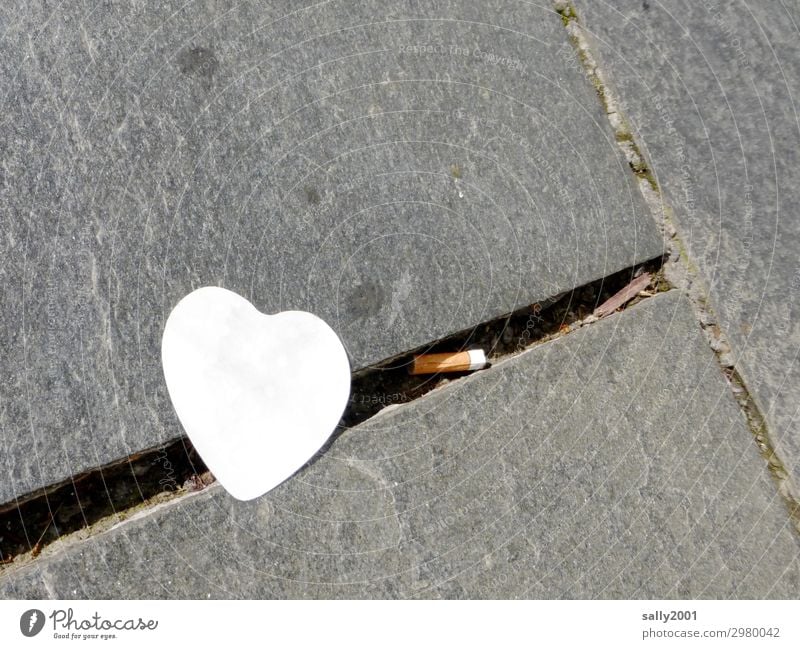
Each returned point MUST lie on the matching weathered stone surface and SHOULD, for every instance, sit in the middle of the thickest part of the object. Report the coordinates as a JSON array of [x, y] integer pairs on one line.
[[612, 462], [403, 171], [711, 89]]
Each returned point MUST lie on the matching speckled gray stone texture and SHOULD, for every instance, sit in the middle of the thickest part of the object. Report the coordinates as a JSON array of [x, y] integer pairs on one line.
[[712, 89], [610, 463], [402, 170]]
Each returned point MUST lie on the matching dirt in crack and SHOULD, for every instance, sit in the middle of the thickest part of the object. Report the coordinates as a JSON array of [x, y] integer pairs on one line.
[[94, 501], [109, 494], [390, 383]]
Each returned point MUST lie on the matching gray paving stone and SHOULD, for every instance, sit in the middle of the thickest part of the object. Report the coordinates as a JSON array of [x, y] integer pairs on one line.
[[402, 171], [712, 89], [609, 463]]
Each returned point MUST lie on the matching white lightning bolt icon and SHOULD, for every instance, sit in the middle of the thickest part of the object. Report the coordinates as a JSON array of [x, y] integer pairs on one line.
[[32, 621]]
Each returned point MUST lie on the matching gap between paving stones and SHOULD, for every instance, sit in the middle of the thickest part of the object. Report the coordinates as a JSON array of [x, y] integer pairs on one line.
[[679, 271], [97, 500]]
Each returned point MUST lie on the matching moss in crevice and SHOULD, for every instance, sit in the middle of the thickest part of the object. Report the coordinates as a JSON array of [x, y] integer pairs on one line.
[[567, 13], [624, 136]]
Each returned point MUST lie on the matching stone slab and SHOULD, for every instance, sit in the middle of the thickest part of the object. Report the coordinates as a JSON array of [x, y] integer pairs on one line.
[[402, 171], [712, 89], [610, 463]]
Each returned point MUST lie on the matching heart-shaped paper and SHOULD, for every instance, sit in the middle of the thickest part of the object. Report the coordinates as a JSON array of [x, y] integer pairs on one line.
[[257, 394]]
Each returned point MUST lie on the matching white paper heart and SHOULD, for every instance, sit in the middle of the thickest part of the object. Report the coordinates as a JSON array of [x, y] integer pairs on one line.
[[257, 394]]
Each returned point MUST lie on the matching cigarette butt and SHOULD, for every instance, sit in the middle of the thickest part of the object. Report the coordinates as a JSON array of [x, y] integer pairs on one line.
[[475, 359]]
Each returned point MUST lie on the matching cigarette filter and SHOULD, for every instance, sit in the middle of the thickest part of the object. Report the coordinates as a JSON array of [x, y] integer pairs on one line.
[[474, 359]]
